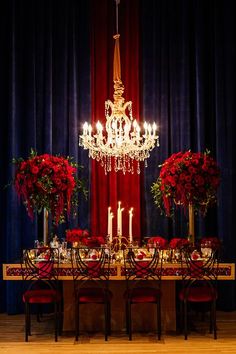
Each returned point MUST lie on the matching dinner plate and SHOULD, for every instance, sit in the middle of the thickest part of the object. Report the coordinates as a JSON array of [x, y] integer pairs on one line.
[[40, 259]]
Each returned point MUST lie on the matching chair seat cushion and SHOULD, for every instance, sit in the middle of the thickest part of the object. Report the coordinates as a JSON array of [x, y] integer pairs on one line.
[[93, 295], [142, 295], [41, 296], [198, 294]]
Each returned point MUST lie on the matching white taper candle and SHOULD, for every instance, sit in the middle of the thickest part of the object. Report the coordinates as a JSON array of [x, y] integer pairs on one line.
[[130, 225]]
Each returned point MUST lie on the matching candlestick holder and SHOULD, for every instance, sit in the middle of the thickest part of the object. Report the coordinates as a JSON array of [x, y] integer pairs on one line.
[[119, 243]]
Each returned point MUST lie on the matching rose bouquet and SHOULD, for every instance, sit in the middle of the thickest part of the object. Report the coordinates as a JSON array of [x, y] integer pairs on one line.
[[187, 178], [82, 237], [76, 235], [158, 241], [178, 243], [50, 182], [94, 241], [211, 242]]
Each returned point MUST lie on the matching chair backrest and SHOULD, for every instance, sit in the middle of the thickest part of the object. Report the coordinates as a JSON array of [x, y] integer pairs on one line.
[[40, 265], [199, 270], [90, 264], [140, 267]]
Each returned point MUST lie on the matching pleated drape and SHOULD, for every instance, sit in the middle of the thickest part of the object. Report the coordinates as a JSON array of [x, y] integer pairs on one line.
[[107, 190]]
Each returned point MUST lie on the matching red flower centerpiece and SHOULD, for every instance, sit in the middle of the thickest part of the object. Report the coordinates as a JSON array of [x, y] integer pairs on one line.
[[187, 178], [211, 242], [157, 241], [76, 235], [178, 243], [81, 237], [47, 181]]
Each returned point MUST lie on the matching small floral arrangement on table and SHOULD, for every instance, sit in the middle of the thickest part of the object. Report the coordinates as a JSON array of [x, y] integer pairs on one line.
[[157, 241], [83, 238], [76, 235], [211, 242], [94, 241], [50, 182], [187, 178], [178, 243]]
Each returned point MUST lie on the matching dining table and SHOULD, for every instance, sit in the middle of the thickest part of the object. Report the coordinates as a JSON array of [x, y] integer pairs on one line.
[[144, 319]]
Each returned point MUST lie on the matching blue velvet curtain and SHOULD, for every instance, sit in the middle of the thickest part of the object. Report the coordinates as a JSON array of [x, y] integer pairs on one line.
[[189, 86], [188, 56], [44, 98]]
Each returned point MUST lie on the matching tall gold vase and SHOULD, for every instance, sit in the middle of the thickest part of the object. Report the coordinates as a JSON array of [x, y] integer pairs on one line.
[[45, 226], [191, 233]]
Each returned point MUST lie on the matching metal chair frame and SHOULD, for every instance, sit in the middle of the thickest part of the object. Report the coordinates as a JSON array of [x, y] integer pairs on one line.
[[41, 277], [198, 276], [97, 271], [137, 273]]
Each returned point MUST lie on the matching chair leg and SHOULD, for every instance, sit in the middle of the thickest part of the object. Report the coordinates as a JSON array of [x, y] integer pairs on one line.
[[129, 320], [211, 319], [109, 318], [159, 318], [185, 320], [60, 318], [106, 315], [214, 319], [127, 316], [56, 321], [26, 322], [77, 321], [181, 309], [39, 313]]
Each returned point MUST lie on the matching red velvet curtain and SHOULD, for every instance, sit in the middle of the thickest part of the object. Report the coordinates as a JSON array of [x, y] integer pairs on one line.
[[107, 190]]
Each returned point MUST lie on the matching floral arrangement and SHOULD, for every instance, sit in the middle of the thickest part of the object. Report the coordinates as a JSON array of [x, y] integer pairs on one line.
[[177, 243], [158, 241], [211, 242], [76, 235], [82, 237], [50, 182], [95, 241], [187, 178]]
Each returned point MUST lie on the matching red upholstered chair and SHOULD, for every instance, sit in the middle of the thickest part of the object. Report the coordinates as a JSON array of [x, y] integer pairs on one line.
[[91, 270], [199, 285], [138, 271], [40, 273]]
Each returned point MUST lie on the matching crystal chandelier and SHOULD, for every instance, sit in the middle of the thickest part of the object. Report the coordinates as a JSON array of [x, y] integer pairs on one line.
[[122, 146]]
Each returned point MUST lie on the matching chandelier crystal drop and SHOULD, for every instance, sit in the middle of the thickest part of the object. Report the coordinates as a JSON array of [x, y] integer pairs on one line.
[[122, 146]]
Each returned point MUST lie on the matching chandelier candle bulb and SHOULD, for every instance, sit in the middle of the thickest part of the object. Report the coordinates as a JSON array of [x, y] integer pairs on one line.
[[85, 128], [99, 127]]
